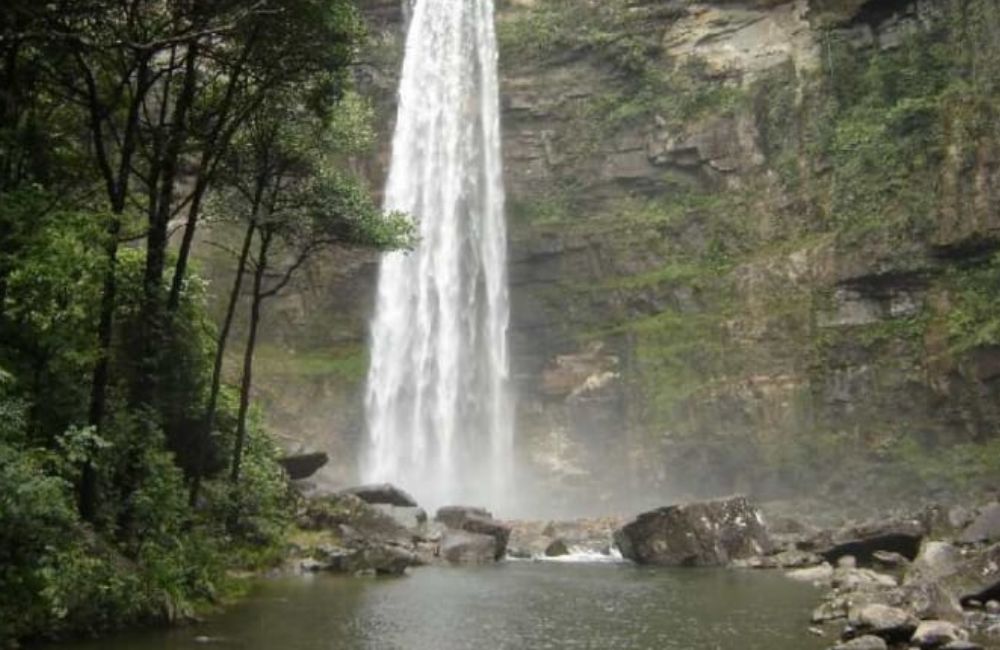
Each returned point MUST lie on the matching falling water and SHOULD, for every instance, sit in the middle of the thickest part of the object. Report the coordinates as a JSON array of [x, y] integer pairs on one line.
[[438, 409]]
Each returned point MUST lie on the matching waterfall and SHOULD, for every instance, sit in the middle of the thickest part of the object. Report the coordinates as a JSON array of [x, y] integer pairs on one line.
[[438, 406]]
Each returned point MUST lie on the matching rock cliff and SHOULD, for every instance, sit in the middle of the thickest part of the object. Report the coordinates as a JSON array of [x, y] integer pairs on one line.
[[753, 248]]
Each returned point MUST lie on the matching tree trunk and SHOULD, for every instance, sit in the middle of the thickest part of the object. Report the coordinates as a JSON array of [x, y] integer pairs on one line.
[[220, 350], [247, 380], [157, 238], [184, 251], [217, 142], [99, 381], [117, 187]]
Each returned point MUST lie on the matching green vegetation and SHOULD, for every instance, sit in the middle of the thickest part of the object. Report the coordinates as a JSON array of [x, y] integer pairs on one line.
[[973, 316], [132, 481], [347, 364]]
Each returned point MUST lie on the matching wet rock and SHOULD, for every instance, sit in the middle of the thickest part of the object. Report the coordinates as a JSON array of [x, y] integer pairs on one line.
[[477, 521], [455, 516], [867, 642], [832, 609], [557, 548], [385, 559], [707, 533], [993, 607], [893, 624], [854, 579], [302, 466], [816, 575], [461, 547], [889, 560], [934, 634], [369, 557], [978, 578], [407, 517], [362, 520], [936, 560], [383, 493], [902, 536], [333, 558], [931, 600], [791, 559], [984, 528]]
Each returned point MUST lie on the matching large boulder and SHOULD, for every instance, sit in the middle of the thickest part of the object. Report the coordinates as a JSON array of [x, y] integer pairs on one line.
[[382, 493], [302, 466], [477, 521], [461, 547], [706, 533]]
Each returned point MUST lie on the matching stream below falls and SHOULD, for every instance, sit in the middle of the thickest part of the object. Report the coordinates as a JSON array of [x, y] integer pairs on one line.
[[515, 604]]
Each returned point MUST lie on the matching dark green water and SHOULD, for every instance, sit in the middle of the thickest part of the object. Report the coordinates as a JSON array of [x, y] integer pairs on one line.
[[512, 605]]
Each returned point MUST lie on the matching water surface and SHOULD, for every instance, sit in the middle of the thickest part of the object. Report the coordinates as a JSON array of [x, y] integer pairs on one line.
[[512, 605]]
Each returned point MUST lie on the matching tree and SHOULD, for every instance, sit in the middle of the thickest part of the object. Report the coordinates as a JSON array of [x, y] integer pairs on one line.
[[284, 174]]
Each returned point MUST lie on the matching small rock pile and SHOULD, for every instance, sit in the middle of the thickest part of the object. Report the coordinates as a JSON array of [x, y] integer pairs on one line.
[[929, 581], [380, 530]]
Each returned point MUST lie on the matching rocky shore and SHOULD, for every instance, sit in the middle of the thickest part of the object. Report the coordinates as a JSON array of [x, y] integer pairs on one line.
[[927, 579], [380, 530]]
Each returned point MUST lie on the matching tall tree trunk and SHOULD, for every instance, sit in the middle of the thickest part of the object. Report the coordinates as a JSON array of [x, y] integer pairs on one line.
[[247, 380], [187, 240], [220, 351], [217, 142], [99, 381], [157, 238], [117, 183]]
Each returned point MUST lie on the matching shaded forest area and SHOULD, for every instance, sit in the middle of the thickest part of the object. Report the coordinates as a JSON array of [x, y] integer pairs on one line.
[[133, 480]]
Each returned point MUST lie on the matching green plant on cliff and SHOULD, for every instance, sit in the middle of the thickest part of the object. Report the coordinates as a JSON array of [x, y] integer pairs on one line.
[[893, 115], [973, 315], [561, 29]]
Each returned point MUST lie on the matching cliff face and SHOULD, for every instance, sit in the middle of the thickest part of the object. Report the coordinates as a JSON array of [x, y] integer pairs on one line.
[[753, 242], [752, 246]]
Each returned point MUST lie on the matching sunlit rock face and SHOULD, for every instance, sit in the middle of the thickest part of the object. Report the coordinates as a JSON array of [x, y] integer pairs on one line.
[[750, 246]]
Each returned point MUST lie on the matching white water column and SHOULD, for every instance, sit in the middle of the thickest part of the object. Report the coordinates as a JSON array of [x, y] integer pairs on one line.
[[438, 404]]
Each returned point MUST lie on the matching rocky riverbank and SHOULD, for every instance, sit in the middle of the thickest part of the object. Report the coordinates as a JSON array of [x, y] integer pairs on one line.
[[380, 530], [925, 579]]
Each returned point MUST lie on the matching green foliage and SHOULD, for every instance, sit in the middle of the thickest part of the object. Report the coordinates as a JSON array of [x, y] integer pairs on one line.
[[892, 117], [973, 317], [962, 468], [147, 555], [345, 363], [557, 29], [160, 92]]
